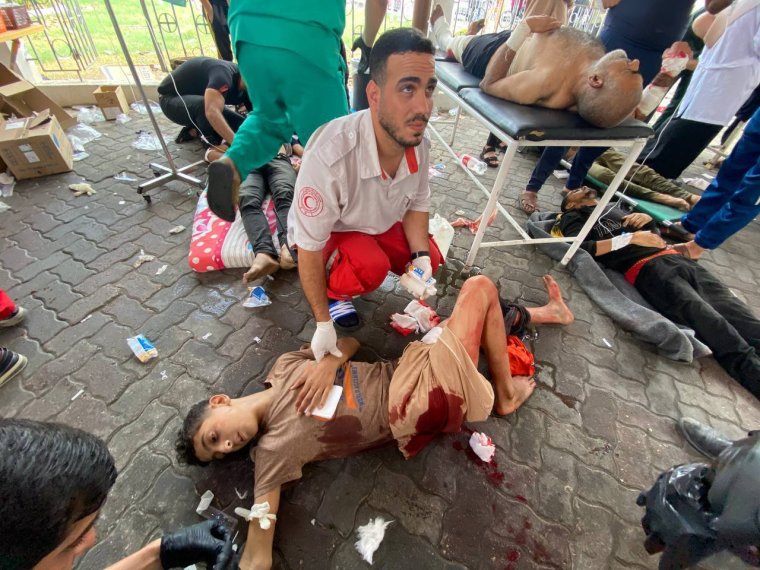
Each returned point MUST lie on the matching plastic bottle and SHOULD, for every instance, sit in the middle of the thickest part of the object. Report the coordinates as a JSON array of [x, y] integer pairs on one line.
[[257, 298], [477, 166]]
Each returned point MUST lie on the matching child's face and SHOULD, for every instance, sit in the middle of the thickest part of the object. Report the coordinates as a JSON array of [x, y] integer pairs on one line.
[[225, 429]]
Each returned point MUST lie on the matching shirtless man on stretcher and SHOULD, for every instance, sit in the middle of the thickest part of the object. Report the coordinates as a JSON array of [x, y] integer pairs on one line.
[[541, 63], [433, 388]]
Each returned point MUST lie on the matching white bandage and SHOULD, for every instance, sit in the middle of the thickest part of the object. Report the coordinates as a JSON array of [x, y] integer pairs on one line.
[[619, 242], [261, 512], [518, 36]]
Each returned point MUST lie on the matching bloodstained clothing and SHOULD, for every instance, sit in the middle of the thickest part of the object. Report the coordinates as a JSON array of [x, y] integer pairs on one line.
[[291, 441], [433, 389]]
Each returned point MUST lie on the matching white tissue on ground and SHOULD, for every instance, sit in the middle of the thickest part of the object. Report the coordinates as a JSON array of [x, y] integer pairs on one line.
[[370, 537], [483, 447]]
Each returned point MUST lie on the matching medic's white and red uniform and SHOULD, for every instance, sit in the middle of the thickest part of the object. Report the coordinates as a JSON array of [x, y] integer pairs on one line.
[[346, 206]]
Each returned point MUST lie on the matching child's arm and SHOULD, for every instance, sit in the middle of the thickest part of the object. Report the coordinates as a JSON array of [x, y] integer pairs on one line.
[[258, 548]]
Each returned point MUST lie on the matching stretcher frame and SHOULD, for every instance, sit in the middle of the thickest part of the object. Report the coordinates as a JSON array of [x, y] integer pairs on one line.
[[513, 144]]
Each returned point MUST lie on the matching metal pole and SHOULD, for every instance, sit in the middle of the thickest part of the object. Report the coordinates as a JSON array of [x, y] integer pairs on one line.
[[139, 84]]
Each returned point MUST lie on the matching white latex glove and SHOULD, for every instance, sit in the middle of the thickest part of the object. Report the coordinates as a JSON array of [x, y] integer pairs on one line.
[[325, 341], [423, 262]]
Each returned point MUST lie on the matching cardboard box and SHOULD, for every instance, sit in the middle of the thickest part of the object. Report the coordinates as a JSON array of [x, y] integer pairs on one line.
[[15, 16], [35, 146], [111, 100], [21, 98]]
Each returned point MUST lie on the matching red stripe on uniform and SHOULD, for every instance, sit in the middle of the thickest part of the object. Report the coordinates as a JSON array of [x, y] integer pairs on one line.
[[411, 160]]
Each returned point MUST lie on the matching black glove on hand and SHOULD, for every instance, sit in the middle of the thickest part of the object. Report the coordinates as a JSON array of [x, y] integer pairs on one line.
[[209, 542]]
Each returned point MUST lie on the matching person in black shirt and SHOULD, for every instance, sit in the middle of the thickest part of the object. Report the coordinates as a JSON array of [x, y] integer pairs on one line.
[[216, 14], [196, 95], [677, 287]]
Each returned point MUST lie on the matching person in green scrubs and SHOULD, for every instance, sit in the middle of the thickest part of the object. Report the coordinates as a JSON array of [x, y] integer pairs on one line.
[[292, 61]]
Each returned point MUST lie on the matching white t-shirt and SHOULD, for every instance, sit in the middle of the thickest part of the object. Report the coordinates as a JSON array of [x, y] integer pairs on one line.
[[726, 74], [342, 188]]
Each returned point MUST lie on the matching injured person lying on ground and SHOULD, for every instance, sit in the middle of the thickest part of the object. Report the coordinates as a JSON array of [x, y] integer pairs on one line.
[[676, 286], [541, 63], [433, 388], [642, 182]]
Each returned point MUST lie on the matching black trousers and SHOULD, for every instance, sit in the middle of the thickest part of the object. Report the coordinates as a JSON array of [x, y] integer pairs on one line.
[[221, 30], [278, 177], [679, 144], [175, 111], [688, 294]]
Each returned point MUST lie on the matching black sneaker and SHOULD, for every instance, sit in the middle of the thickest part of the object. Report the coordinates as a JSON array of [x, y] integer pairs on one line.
[[703, 438], [11, 363], [185, 135], [222, 192]]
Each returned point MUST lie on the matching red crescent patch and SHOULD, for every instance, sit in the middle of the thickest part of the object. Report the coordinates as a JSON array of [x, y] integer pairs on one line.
[[310, 202]]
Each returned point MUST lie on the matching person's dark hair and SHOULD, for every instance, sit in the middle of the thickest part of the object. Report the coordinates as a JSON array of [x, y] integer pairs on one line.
[[400, 40], [563, 204], [51, 477], [184, 442]]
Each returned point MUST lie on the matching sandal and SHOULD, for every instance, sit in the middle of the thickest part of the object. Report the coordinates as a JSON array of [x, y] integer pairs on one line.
[[528, 202], [491, 161]]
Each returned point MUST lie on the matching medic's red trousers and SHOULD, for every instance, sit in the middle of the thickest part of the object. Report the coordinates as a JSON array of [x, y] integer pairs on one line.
[[357, 263], [6, 305]]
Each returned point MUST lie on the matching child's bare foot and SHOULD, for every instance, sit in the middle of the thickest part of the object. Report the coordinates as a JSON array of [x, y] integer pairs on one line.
[[555, 312], [523, 387], [263, 265], [475, 26], [436, 13]]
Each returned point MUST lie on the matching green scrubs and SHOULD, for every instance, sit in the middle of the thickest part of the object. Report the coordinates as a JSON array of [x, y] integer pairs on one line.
[[289, 57]]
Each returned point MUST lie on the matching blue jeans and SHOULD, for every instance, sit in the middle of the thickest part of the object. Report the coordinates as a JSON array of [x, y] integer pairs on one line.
[[549, 161], [733, 199]]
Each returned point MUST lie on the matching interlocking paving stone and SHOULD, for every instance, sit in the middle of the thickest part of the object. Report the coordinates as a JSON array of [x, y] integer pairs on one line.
[[598, 430]]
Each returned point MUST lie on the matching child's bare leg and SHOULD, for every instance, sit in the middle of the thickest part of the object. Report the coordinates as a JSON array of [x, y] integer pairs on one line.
[[555, 312], [478, 323]]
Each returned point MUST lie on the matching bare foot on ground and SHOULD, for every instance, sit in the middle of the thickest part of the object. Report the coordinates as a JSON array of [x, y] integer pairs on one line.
[[524, 387], [263, 265], [556, 310]]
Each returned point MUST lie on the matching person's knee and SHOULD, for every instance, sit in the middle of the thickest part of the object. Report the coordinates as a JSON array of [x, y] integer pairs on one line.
[[480, 286], [360, 266]]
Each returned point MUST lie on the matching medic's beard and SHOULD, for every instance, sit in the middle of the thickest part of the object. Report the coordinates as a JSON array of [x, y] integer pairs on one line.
[[393, 130]]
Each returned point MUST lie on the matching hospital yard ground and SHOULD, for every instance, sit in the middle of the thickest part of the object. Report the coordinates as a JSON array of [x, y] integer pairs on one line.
[[571, 462]]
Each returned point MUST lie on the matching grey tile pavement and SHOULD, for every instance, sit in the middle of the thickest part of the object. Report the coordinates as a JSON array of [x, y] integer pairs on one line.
[[570, 463]]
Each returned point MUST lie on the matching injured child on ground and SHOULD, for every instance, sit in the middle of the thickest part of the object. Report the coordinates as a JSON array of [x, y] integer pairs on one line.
[[433, 388], [675, 285]]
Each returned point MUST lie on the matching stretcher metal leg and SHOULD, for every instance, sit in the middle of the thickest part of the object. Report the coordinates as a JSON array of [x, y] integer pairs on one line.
[[493, 200], [604, 200], [456, 124]]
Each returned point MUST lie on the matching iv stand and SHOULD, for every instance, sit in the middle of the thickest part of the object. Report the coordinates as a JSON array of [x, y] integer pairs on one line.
[[171, 172]]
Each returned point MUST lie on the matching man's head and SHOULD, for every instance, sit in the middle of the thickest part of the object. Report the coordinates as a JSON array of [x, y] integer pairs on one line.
[[214, 428], [583, 197], [53, 481], [400, 92], [611, 90]]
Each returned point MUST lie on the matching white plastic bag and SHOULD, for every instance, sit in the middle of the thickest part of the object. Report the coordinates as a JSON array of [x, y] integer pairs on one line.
[[147, 141], [84, 133], [90, 115], [442, 232], [139, 106]]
